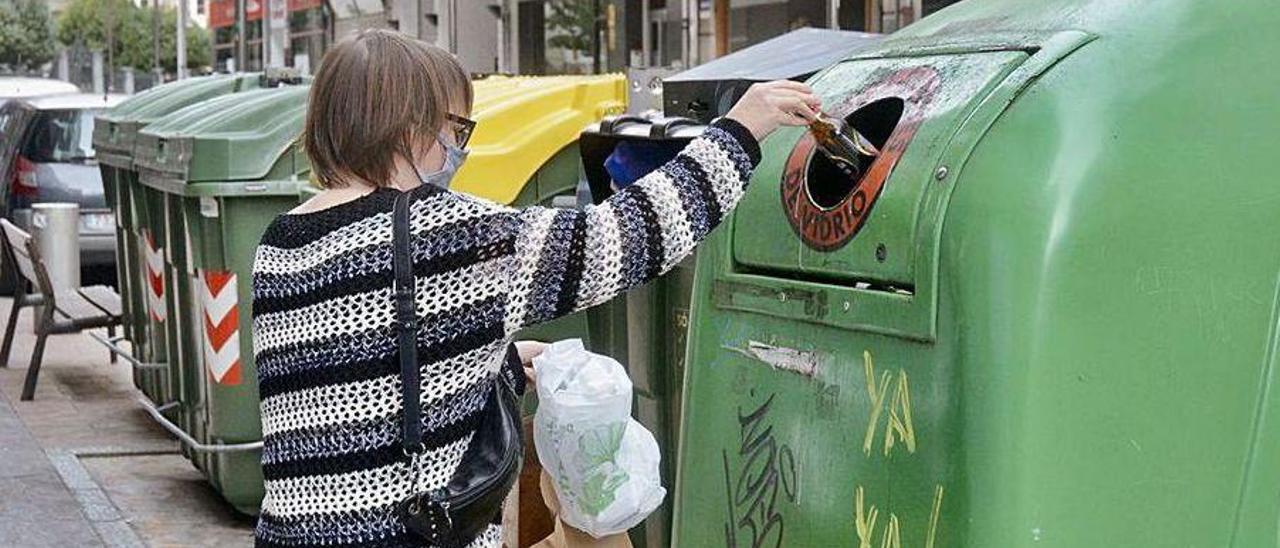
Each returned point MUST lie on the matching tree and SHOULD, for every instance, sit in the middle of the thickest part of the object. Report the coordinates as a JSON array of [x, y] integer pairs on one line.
[[572, 24], [85, 22], [26, 34]]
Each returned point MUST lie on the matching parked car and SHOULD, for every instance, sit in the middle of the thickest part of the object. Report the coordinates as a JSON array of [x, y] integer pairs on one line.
[[46, 155], [13, 87], [16, 87]]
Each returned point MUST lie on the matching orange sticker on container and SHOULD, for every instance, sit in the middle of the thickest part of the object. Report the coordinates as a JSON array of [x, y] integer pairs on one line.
[[830, 228]]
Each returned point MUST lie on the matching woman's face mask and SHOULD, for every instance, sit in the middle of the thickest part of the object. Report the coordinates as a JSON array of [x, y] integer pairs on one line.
[[453, 158]]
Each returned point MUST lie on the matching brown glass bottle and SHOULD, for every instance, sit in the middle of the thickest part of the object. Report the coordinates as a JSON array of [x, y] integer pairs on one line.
[[846, 148]]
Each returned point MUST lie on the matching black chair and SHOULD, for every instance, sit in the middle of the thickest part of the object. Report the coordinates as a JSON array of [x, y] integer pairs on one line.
[[65, 311]]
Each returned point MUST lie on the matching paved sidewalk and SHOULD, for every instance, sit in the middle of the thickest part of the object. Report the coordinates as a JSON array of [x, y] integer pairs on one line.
[[84, 465]]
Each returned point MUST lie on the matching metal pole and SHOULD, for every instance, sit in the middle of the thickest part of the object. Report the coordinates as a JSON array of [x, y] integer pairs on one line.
[[55, 227], [453, 27], [182, 39], [99, 83], [693, 13], [644, 34], [721, 14], [513, 38], [111, 69], [191, 442], [500, 65], [275, 33], [451, 30], [595, 36], [155, 36], [241, 50], [266, 33], [684, 33]]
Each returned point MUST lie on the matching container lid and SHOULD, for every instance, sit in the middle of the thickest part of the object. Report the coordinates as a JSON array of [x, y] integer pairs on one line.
[[796, 53], [231, 138], [522, 122], [115, 130]]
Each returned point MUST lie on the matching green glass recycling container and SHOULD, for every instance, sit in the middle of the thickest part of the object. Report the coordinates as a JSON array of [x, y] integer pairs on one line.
[[1045, 315]]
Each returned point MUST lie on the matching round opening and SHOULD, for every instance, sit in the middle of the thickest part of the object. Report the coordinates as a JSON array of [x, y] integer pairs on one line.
[[829, 181], [876, 120]]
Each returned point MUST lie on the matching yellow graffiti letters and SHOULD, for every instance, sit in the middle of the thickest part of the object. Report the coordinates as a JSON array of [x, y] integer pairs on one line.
[[865, 518], [899, 425]]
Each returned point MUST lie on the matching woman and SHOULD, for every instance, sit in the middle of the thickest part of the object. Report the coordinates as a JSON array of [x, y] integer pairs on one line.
[[387, 115]]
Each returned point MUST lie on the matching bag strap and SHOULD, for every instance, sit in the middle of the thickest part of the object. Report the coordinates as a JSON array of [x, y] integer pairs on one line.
[[406, 326]]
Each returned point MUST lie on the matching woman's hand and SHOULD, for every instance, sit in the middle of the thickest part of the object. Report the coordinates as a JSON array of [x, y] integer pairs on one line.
[[528, 350], [767, 105]]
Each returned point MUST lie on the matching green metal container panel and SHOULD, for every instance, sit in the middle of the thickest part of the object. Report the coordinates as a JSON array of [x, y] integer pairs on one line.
[[1045, 316], [656, 330], [149, 240], [115, 183]]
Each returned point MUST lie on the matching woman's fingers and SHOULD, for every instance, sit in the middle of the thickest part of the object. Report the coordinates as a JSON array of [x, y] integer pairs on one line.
[[797, 110], [765, 106], [529, 350]]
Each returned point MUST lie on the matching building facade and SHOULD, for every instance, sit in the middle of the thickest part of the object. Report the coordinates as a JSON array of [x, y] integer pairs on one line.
[[305, 27], [554, 36], [630, 33]]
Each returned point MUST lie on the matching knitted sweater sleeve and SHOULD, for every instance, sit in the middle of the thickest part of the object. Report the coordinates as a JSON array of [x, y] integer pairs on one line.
[[567, 259]]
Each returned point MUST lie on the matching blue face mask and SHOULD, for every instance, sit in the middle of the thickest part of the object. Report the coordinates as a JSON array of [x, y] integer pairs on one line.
[[453, 158]]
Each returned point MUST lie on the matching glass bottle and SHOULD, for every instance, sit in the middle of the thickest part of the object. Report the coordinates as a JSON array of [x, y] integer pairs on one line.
[[848, 149]]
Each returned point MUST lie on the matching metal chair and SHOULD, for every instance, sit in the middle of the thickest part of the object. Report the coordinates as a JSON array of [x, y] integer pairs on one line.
[[65, 311]]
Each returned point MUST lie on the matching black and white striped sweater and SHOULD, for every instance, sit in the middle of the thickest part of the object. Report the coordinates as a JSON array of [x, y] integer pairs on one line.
[[326, 351]]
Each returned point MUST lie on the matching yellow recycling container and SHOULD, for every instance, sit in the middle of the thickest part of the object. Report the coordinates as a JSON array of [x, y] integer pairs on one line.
[[525, 147]]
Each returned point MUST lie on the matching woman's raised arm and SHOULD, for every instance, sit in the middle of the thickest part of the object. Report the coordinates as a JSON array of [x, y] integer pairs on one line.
[[568, 260]]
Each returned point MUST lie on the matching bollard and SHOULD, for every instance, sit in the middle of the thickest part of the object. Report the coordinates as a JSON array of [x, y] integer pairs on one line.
[[55, 227], [99, 79]]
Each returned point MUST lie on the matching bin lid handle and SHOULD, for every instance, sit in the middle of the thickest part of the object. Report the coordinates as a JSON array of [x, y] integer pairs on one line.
[[661, 129], [610, 123]]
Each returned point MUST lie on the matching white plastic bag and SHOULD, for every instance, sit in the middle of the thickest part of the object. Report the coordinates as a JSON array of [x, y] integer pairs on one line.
[[603, 463]]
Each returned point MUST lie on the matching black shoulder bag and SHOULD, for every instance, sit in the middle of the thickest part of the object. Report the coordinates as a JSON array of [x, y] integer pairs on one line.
[[458, 512]]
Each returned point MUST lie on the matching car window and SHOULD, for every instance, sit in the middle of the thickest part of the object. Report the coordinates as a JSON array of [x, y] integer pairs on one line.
[[61, 136], [6, 115]]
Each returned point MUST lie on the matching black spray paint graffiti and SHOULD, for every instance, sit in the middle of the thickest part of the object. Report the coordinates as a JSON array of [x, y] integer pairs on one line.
[[752, 494]]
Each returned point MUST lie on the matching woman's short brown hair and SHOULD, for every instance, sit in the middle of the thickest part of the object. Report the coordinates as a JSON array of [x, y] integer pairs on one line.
[[376, 95]]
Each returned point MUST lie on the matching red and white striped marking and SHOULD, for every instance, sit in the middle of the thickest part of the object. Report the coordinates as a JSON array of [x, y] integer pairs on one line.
[[154, 257], [219, 299]]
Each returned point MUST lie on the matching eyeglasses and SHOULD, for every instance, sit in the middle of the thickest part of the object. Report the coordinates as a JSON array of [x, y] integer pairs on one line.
[[462, 129]]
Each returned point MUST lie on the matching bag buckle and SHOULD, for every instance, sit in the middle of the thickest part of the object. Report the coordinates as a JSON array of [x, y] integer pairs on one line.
[[413, 450]]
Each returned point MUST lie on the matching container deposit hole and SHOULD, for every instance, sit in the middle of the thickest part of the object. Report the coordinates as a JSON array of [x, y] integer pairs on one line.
[[827, 183]]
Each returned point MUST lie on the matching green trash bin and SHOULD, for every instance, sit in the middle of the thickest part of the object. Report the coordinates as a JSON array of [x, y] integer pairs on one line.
[[114, 135], [219, 181], [1044, 316]]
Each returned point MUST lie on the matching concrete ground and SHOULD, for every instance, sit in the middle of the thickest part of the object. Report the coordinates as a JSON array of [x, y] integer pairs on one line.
[[84, 465]]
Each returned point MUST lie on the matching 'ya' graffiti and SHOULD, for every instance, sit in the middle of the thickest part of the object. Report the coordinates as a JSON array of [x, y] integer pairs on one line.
[[867, 520], [765, 467], [898, 424]]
